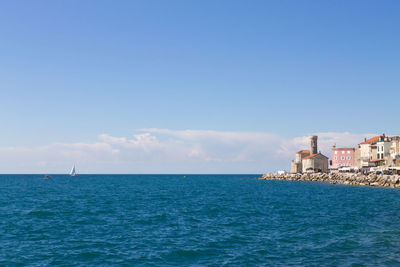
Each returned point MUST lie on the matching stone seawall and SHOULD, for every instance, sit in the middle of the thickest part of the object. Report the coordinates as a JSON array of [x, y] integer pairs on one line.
[[339, 178]]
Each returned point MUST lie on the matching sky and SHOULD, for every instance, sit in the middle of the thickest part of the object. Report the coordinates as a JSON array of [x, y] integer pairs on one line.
[[192, 86]]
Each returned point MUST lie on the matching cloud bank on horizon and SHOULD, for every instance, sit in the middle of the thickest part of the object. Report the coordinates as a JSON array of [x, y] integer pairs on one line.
[[171, 151]]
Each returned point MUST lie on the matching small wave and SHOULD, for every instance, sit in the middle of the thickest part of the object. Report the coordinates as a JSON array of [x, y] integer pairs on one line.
[[189, 254], [40, 213]]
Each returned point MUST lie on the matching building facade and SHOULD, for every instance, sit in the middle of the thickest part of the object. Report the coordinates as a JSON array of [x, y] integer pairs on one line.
[[357, 157], [383, 147], [297, 164], [368, 152], [342, 157], [316, 163], [395, 147]]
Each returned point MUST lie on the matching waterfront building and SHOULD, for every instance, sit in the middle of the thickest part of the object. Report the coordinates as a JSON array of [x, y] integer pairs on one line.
[[368, 152], [357, 157], [393, 159], [395, 147], [297, 165], [383, 147], [315, 163], [342, 157], [310, 160]]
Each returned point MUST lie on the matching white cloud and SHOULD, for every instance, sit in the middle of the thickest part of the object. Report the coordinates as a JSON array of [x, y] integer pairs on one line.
[[112, 140], [170, 151]]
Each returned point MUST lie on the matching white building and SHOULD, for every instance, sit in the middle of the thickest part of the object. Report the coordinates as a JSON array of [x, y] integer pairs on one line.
[[383, 147]]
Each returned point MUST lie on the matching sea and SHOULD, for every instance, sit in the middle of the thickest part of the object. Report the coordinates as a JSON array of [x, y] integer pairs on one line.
[[194, 220]]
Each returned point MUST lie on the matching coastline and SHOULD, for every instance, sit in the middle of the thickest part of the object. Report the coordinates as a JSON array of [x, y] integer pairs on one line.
[[356, 179]]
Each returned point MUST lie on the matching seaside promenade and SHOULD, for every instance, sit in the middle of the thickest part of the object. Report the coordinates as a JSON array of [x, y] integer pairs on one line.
[[357, 179]]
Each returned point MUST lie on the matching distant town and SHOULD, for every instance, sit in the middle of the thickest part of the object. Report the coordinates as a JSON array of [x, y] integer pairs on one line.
[[378, 154]]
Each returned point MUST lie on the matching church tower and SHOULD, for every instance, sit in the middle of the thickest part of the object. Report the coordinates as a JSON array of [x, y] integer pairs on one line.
[[314, 144]]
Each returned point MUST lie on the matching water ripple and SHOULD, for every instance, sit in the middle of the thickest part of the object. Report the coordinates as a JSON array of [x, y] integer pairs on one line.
[[203, 220]]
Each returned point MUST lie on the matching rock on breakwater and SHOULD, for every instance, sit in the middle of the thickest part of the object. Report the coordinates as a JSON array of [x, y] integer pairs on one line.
[[339, 178]]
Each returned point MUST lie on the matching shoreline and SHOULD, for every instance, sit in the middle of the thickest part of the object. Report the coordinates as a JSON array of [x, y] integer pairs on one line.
[[356, 179]]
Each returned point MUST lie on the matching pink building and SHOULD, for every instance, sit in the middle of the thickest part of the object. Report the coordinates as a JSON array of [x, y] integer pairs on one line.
[[342, 157]]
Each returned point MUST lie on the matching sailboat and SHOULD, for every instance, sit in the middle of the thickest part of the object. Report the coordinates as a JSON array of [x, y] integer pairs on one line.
[[73, 172]]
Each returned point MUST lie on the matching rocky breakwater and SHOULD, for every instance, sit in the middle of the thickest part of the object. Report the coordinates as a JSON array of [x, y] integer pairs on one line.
[[339, 178]]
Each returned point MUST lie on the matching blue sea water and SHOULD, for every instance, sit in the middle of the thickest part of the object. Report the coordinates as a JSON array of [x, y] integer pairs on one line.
[[202, 220]]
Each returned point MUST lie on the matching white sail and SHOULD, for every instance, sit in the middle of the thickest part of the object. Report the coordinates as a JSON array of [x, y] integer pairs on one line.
[[73, 171]]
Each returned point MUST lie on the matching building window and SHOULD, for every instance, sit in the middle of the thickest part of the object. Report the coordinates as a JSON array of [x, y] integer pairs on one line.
[[342, 152], [343, 158], [348, 158], [335, 152], [348, 152], [335, 158]]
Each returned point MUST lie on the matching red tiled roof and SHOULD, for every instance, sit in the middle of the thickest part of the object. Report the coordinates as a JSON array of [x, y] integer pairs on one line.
[[372, 140], [304, 151], [311, 156]]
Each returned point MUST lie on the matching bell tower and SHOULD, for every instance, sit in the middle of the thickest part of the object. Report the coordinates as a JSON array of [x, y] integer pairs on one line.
[[314, 144]]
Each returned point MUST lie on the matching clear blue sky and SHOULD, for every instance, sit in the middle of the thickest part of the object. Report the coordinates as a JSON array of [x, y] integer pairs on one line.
[[71, 70]]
